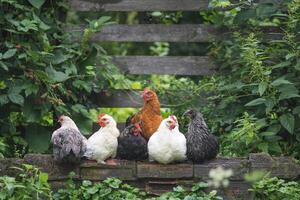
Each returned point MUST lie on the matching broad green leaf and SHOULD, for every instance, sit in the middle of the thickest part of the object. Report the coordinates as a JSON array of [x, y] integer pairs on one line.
[[263, 147], [281, 65], [9, 53], [288, 122], [16, 98], [296, 110], [288, 96], [31, 112], [267, 133], [256, 102], [3, 99], [3, 66], [288, 91], [38, 138], [275, 147], [37, 3], [56, 76], [43, 178], [280, 81], [262, 88]]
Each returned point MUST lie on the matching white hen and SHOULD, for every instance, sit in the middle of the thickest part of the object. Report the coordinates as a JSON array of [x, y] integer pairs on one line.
[[167, 144], [103, 143]]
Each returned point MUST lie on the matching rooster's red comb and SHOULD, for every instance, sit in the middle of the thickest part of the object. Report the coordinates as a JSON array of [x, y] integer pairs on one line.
[[101, 115]]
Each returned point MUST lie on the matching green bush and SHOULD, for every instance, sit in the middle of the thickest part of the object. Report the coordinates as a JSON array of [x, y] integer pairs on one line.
[[29, 184], [276, 189], [44, 73]]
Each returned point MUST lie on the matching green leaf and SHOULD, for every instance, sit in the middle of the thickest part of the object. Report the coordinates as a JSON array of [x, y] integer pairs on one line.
[[288, 122], [262, 88], [296, 110], [56, 76], [280, 81], [256, 102], [43, 178], [37, 3], [267, 133], [3, 99], [288, 91], [9, 53], [16, 98], [282, 65], [38, 138], [3, 66]]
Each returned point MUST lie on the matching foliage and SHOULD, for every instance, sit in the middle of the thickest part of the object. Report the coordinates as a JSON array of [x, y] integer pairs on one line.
[[275, 188], [29, 184], [111, 188], [197, 192], [45, 73], [261, 78]]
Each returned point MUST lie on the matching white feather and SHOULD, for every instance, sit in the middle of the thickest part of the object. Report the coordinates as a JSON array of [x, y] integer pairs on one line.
[[103, 143], [166, 146]]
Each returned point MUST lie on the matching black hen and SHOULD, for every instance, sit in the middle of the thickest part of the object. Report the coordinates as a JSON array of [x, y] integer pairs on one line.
[[201, 144], [131, 144]]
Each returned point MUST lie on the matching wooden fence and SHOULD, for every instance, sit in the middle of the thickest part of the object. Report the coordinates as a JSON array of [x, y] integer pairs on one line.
[[146, 65]]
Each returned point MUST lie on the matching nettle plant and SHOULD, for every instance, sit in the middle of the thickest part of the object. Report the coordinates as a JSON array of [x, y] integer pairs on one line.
[[262, 77], [44, 72]]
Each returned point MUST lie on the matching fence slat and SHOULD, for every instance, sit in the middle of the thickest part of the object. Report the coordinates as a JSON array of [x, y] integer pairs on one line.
[[139, 5], [153, 33], [172, 65], [132, 99]]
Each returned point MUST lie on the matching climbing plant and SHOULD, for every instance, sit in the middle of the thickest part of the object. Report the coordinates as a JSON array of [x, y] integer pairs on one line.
[[261, 76], [45, 73]]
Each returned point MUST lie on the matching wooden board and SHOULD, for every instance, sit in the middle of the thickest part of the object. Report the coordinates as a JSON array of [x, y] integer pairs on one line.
[[139, 5], [132, 99], [153, 33], [173, 65]]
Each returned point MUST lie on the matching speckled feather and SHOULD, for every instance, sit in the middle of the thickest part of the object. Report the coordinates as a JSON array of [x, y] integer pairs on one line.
[[131, 147], [68, 145], [201, 144]]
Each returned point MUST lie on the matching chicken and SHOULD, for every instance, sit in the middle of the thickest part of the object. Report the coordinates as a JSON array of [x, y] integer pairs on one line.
[[131, 145], [149, 116], [69, 144], [103, 143], [201, 145], [167, 144]]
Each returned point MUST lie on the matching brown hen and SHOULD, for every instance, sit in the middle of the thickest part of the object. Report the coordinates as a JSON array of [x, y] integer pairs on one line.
[[149, 116]]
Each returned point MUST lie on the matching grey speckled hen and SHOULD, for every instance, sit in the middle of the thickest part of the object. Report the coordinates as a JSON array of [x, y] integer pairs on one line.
[[69, 144], [201, 144]]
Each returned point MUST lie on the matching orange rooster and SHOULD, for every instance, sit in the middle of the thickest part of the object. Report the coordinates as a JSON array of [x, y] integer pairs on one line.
[[149, 117]]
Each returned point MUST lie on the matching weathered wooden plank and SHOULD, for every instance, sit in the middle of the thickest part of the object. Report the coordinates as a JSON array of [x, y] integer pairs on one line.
[[124, 169], [153, 33], [139, 5], [155, 170], [131, 99], [281, 167], [46, 163], [240, 167], [173, 65], [119, 99]]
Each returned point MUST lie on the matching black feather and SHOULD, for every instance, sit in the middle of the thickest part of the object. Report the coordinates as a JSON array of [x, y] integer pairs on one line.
[[68, 146], [201, 144], [131, 147]]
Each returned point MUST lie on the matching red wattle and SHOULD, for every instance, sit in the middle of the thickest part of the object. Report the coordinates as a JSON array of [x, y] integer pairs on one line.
[[102, 124]]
